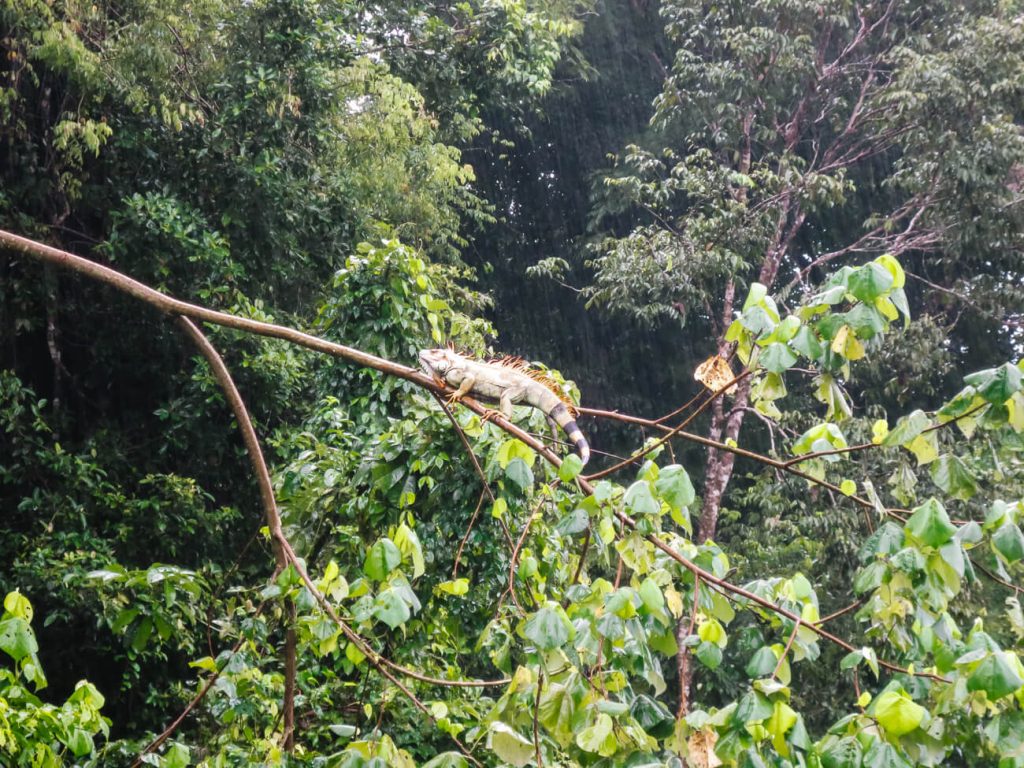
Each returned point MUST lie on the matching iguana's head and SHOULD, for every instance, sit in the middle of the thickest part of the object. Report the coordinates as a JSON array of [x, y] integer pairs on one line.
[[437, 362]]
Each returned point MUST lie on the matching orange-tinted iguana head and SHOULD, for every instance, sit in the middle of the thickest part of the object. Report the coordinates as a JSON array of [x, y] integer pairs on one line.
[[437, 362]]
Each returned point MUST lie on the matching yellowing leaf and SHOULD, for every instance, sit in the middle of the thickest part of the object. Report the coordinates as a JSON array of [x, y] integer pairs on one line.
[[892, 265], [847, 344], [509, 745], [924, 447], [598, 737], [408, 544], [701, 746], [895, 712], [710, 631], [515, 449], [1015, 408], [499, 509], [848, 487], [715, 373], [456, 587], [783, 718], [674, 601]]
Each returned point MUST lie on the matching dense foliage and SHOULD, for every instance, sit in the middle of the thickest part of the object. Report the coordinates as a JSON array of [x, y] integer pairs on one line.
[[827, 195]]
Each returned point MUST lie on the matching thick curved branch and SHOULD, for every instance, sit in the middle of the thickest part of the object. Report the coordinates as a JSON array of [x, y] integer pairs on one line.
[[174, 306]]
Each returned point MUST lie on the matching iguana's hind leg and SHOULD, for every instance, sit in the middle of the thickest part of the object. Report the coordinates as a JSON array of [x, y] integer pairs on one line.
[[509, 396]]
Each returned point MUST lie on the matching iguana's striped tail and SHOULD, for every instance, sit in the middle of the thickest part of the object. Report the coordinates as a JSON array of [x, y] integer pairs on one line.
[[563, 417]]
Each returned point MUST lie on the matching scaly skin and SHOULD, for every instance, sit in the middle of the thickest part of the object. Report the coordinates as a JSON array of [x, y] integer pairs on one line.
[[504, 384]]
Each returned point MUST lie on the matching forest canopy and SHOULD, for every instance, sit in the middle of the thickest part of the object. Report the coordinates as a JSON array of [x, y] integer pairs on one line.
[[768, 257]]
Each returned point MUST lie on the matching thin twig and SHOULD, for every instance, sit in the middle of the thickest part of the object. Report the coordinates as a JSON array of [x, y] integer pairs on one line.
[[465, 441], [671, 432], [785, 651], [536, 716], [197, 699], [842, 611], [469, 530]]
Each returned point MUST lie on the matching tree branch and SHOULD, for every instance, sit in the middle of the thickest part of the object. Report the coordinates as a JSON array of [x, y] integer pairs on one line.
[[383, 665]]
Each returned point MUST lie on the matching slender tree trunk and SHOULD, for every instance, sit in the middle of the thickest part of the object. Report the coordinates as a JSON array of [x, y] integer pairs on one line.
[[684, 666], [290, 668]]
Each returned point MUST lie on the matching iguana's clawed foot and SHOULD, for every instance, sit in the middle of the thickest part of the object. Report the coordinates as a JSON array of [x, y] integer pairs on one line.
[[489, 414], [453, 398]]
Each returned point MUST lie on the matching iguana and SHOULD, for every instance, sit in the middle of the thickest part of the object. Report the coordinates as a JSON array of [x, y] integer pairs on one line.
[[506, 381]]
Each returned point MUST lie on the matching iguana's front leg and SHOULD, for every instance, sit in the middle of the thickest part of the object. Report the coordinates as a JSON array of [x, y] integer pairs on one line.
[[464, 389]]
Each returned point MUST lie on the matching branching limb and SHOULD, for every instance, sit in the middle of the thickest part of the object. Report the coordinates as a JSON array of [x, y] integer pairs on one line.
[[282, 546], [384, 666]]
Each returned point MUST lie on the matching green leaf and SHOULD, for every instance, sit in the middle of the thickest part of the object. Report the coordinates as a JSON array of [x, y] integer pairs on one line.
[[887, 540], [18, 605], [576, 521], [390, 608], [899, 299], [925, 448], [598, 737], [16, 638], [509, 745], [650, 594], [570, 467], [753, 708], [778, 358], [548, 628], [1007, 730], [520, 474], [806, 343], [779, 724], [515, 449], [755, 295], [866, 321], [142, 633], [907, 428], [897, 713], [674, 486], [447, 760], [930, 524], [80, 743], [382, 559], [996, 676], [455, 587], [845, 753], [892, 264], [870, 282], [996, 384], [953, 477], [821, 437], [408, 544], [640, 501], [762, 663], [882, 754], [709, 654], [1009, 542], [178, 756], [653, 716]]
